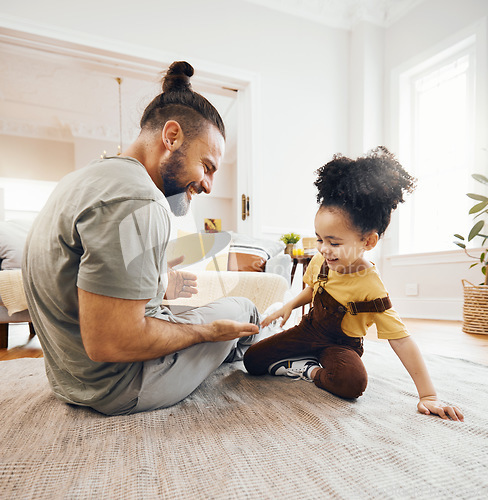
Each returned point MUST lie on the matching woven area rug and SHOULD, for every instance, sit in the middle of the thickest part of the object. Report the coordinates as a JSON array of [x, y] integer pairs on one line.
[[239, 437]]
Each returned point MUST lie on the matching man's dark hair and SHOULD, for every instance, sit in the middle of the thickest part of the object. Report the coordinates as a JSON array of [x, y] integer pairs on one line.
[[367, 189], [180, 103]]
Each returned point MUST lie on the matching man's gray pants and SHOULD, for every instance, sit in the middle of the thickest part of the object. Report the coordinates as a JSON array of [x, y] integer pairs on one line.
[[165, 381]]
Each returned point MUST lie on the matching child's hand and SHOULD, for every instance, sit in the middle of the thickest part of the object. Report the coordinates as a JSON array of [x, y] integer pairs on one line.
[[430, 405], [284, 312], [269, 319]]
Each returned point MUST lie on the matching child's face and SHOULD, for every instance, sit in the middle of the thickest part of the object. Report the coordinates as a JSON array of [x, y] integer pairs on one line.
[[342, 245]]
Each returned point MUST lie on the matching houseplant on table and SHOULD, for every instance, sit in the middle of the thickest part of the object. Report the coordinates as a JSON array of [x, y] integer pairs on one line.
[[290, 240], [475, 308]]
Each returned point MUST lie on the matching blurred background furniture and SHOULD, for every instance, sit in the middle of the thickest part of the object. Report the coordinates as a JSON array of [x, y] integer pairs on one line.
[[264, 289], [229, 251], [6, 319], [13, 308], [255, 268]]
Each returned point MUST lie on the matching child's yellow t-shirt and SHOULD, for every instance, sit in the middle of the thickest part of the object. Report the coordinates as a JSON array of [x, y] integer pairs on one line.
[[357, 287]]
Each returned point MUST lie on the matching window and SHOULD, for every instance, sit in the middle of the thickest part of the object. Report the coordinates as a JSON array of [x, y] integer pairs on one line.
[[23, 198], [436, 145]]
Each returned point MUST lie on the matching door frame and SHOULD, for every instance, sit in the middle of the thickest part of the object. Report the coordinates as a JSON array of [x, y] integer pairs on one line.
[[143, 62]]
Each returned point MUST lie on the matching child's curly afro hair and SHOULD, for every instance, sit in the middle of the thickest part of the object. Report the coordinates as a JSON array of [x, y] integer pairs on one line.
[[367, 189]]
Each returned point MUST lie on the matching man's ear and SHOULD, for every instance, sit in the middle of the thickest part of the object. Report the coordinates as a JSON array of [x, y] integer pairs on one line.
[[172, 135], [370, 240]]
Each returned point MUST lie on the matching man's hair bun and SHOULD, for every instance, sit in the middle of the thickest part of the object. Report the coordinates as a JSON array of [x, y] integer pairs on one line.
[[179, 102], [177, 77]]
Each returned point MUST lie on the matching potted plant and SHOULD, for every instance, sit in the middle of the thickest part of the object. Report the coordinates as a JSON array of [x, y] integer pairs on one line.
[[290, 240], [475, 308]]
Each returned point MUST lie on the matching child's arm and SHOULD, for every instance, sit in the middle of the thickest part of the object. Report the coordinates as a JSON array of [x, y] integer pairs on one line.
[[408, 352], [304, 297]]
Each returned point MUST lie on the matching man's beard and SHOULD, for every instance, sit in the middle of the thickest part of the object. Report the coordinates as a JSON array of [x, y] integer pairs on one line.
[[176, 193], [179, 204]]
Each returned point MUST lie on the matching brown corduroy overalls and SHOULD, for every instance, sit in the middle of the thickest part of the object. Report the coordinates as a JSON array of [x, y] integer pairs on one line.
[[320, 335]]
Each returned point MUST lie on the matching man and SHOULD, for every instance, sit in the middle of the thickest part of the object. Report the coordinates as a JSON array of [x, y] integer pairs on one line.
[[95, 269]]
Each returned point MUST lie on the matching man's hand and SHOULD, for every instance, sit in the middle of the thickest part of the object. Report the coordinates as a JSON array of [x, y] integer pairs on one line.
[[428, 405], [181, 284], [226, 329]]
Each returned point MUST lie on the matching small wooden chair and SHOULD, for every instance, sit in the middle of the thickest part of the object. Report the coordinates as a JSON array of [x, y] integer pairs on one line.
[[6, 319]]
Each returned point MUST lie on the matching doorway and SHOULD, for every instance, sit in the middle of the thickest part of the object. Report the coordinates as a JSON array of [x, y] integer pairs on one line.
[[55, 90]]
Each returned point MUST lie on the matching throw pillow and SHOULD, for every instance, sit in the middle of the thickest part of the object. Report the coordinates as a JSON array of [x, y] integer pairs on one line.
[[251, 254], [12, 240]]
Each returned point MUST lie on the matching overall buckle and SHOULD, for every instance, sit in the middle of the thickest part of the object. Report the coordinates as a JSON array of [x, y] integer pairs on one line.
[[352, 308]]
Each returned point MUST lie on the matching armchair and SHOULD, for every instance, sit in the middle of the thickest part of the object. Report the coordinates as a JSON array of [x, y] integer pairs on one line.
[[13, 308]]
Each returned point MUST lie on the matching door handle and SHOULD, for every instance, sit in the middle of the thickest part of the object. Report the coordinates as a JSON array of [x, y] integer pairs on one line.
[[245, 207]]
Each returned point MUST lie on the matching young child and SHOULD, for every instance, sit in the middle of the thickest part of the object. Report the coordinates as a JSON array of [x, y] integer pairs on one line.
[[356, 200]]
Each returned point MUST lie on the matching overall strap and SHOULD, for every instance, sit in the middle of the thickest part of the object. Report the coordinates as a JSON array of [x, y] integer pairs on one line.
[[324, 272], [376, 305]]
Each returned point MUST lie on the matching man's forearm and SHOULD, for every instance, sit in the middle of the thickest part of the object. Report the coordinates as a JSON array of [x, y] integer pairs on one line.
[[116, 330], [151, 338]]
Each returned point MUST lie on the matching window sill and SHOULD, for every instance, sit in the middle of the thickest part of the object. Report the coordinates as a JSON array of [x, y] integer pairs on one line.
[[429, 258]]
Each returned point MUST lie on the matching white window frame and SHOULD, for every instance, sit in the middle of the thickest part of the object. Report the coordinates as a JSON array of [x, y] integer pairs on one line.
[[475, 35], [411, 155]]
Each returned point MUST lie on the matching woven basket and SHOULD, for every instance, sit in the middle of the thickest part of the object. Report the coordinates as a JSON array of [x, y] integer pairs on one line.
[[475, 309]]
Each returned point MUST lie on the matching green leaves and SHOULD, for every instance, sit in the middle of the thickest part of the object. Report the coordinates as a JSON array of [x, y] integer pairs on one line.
[[475, 230], [479, 209], [480, 178], [475, 196], [290, 238], [478, 197], [458, 243]]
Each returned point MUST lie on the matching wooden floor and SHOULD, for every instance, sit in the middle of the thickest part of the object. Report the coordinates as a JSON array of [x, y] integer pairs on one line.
[[445, 338], [436, 337], [19, 345]]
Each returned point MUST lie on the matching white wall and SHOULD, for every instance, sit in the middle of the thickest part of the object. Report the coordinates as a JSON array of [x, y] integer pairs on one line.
[[437, 276], [320, 92], [366, 93], [28, 158], [87, 150], [303, 70]]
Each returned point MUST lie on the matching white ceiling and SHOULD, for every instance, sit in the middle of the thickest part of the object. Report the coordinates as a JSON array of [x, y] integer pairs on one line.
[[343, 13]]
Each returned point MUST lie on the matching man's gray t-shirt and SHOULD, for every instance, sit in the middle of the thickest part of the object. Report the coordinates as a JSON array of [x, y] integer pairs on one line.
[[104, 229]]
